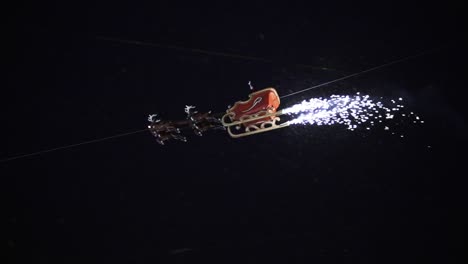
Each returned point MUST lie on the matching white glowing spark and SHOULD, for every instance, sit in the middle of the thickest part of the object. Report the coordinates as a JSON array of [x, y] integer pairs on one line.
[[350, 111]]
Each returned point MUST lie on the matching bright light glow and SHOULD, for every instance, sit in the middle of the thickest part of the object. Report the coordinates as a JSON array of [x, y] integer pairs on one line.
[[350, 111]]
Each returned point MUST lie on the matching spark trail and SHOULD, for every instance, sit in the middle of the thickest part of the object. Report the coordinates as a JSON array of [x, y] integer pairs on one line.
[[350, 111]]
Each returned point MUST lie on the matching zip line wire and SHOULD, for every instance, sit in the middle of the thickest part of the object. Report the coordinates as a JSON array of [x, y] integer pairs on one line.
[[205, 52], [72, 146], [218, 54], [364, 71]]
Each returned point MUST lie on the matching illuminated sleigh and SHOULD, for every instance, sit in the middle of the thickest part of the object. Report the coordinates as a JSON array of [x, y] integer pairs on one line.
[[256, 115]]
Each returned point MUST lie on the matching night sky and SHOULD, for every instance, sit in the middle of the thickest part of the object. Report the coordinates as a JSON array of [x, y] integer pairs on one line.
[[312, 194]]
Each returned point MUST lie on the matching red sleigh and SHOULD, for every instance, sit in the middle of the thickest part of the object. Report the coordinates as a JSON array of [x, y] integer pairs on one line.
[[256, 115]]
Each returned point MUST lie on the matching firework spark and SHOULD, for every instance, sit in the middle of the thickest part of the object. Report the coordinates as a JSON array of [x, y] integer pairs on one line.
[[350, 111]]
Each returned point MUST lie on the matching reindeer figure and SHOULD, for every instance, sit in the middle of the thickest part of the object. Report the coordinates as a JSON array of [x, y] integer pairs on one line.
[[201, 122], [164, 130]]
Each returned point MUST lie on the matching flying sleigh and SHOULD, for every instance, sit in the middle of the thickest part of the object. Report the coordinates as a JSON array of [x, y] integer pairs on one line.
[[256, 115]]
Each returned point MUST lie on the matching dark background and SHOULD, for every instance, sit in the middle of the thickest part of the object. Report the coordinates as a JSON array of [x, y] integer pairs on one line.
[[300, 194]]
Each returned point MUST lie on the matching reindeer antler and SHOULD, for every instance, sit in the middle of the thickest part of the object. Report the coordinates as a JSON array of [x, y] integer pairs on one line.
[[152, 118], [188, 108]]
